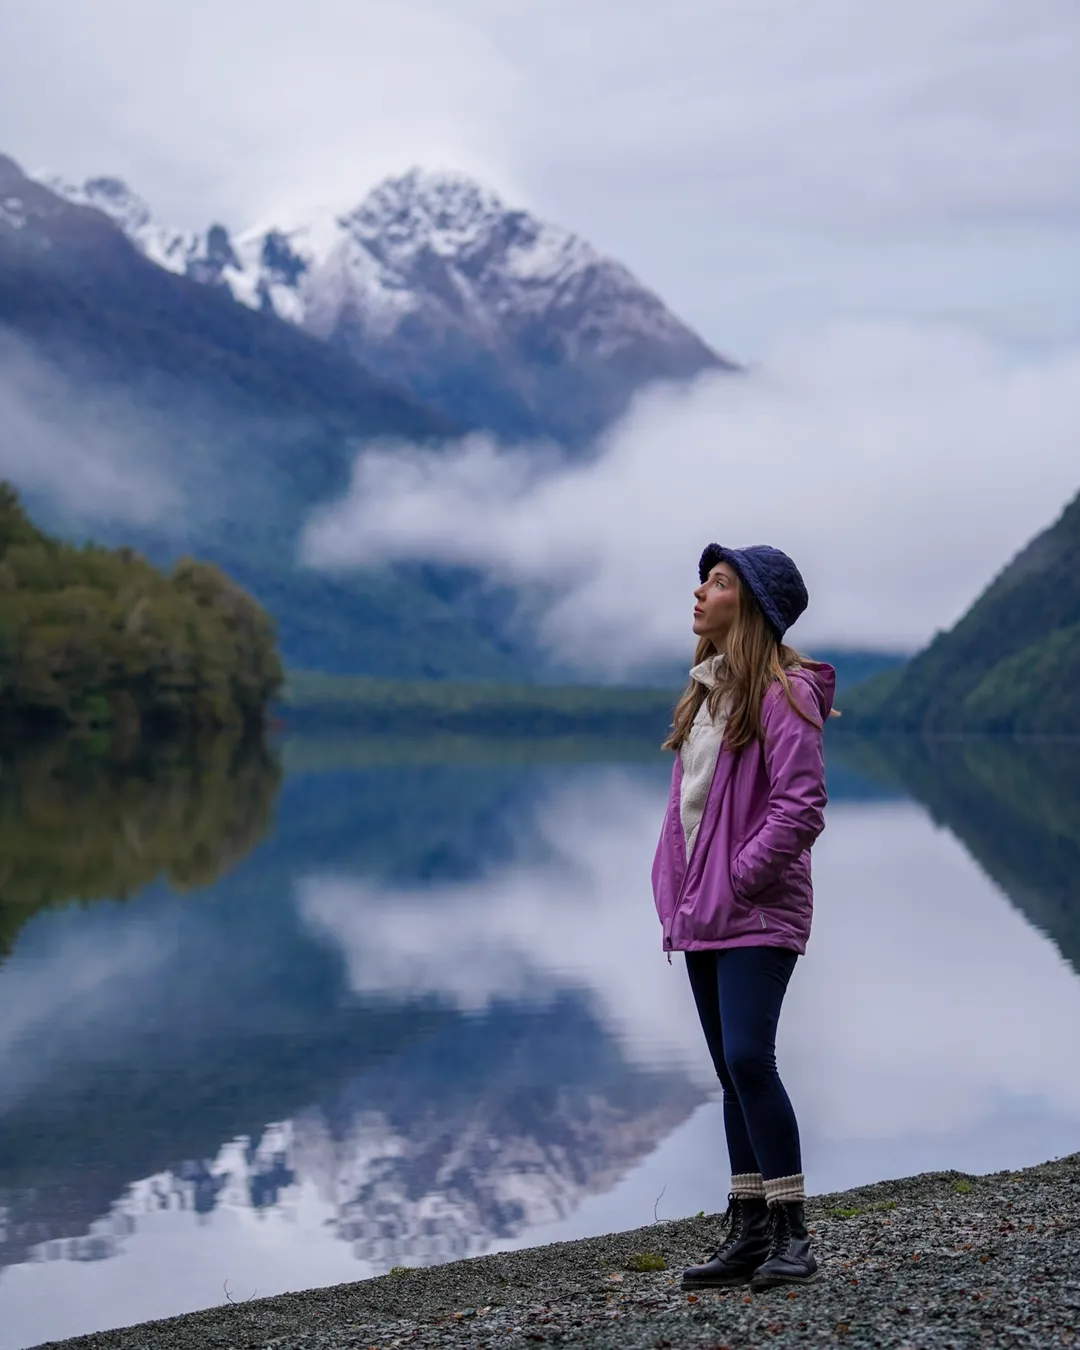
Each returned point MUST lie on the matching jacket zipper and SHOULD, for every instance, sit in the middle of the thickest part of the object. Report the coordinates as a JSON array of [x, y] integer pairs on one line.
[[686, 873]]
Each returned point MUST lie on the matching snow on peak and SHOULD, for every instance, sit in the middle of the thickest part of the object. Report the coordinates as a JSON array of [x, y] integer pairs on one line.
[[445, 211], [370, 260], [170, 248], [116, 199], [207, 256], [452, 216]]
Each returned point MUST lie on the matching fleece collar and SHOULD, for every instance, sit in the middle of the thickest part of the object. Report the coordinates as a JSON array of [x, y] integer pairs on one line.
[[707, 672]]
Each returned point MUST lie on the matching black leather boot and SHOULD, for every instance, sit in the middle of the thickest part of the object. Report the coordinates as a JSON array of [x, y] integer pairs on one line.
[[741, 1252], [790, 1260]]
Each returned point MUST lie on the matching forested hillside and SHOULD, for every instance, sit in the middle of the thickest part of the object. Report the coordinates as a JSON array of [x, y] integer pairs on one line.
[[97, 636], [1012, 663]]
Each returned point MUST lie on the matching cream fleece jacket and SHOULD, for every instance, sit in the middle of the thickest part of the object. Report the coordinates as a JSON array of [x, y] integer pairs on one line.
[[699, 753]]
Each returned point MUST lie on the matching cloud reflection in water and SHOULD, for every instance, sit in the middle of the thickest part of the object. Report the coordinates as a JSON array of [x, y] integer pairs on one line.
[[926, 1004]]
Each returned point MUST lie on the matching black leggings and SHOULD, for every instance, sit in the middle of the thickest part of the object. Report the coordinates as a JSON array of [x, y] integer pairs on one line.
[[738, 993]]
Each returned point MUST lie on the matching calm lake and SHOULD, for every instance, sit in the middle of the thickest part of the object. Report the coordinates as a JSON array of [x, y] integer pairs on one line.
[[345, 1005]]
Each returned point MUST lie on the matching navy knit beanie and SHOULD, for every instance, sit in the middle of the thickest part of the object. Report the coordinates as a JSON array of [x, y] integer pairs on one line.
[[769, 575]]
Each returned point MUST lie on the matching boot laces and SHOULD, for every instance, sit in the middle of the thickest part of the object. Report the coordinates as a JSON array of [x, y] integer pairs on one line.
[[733, 1219], [781, 1235]]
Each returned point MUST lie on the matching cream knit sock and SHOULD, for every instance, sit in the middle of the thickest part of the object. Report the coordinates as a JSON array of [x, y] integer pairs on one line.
[[784, 1190], [747, 1186]]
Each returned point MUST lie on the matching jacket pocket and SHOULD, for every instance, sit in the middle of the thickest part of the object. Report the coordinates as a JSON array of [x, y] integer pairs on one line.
[[791, 876], [739, 885]]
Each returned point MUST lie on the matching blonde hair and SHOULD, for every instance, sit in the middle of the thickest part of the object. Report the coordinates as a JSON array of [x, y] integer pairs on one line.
[[755, 660]]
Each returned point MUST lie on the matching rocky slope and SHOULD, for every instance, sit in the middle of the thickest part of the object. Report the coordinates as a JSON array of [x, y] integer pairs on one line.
[[937, 1261]]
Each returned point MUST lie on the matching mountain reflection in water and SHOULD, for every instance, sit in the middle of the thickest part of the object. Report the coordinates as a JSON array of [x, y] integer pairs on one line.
[[426, 1015]]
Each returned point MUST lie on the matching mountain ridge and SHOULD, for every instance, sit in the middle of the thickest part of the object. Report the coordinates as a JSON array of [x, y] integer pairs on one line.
[[492, 316], [57, 235]]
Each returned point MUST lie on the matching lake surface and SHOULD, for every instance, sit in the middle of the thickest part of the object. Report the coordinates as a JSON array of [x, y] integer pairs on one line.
[[344, 1006]]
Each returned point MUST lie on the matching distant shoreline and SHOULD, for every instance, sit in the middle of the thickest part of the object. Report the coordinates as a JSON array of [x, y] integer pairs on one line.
[[365, 703], [370, 705], [942, 1258]]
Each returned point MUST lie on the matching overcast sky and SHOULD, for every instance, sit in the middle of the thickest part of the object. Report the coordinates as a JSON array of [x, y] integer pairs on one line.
[[764, 164]]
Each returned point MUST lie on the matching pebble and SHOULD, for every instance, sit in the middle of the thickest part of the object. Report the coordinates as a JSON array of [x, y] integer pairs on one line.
[[942, 1261]]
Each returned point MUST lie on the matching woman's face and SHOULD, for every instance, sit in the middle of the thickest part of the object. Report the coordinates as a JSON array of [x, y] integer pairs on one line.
[[716, 602]]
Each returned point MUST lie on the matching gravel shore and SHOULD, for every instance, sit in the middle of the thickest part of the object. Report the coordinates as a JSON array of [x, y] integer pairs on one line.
[[932, 1262]]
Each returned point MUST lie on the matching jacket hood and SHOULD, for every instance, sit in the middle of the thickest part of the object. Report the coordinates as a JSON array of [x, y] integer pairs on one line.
[[820, 680]]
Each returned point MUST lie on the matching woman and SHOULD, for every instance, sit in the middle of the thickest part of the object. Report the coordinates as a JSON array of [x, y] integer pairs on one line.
[[732, 883]]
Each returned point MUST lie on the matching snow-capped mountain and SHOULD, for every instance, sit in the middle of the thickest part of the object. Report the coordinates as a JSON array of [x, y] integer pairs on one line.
[[489, 314]]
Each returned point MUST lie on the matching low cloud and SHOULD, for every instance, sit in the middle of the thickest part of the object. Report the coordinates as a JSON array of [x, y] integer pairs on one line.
[[82, 452], [901, 466]]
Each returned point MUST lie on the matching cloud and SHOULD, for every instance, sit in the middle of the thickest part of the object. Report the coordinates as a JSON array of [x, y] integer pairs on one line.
[[836, 113], [901, 467], [84, 452], [840, 111], [242, 111], [748, 158]]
